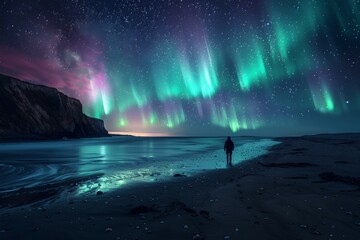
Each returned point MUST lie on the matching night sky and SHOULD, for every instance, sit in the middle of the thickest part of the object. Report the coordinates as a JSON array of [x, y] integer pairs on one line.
[[181, 67]]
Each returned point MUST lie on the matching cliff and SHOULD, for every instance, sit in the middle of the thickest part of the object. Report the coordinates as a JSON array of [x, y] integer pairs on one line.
[[30, 111]]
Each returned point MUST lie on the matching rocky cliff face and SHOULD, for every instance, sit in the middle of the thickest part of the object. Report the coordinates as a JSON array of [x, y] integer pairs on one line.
[[33, 111]]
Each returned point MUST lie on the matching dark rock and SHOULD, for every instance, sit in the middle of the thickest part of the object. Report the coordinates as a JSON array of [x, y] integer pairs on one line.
[[332, 177], [179, 175], [30, 111], [205, 214], [99, 193], [297, 177], [189, 210], [342, 162], [299, 149]]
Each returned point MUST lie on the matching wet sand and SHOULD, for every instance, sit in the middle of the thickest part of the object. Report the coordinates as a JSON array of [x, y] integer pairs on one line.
[[304, 188]]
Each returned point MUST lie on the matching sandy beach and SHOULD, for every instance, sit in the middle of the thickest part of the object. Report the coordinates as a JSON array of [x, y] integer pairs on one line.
[[304, 188]]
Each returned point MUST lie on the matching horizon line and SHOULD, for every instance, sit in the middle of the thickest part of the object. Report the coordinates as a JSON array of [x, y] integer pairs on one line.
[[143, 134]]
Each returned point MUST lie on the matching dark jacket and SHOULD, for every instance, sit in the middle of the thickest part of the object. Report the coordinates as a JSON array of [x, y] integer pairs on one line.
[[229, 146]]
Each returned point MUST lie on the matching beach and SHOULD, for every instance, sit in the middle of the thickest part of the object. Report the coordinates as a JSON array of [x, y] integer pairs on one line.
[[303, 188]]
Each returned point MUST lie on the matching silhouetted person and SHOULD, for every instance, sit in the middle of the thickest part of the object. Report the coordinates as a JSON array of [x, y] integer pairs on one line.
[[228, 147]]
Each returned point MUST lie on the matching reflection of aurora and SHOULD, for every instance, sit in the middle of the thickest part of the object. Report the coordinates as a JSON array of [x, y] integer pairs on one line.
[[237, 73], [163, 170]]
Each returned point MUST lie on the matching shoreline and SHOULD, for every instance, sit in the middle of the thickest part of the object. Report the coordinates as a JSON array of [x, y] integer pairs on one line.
[[280, 195], [188, 163]]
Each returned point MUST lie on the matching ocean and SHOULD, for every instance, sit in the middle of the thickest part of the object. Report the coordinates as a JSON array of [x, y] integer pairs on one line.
[[86, 166]]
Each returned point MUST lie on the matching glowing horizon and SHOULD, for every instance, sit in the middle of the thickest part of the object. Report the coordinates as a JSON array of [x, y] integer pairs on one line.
[[140, 134]]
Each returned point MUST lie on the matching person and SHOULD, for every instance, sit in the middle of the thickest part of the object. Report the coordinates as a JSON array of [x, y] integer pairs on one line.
[[229, 147]]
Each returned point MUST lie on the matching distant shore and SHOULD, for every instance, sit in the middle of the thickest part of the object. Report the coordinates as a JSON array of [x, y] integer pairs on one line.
[[304, 188]]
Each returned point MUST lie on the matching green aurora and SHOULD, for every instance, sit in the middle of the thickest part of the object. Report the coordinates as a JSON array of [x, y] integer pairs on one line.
[[208, 68]]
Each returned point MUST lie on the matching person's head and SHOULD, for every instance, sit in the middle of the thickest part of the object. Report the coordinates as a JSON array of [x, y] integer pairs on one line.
[[229, 138]]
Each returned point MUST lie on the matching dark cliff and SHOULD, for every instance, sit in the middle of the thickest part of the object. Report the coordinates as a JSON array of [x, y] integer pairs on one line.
[[33, 111]]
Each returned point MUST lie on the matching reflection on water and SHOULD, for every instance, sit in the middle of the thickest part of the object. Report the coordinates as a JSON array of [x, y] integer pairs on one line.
[[115, 161]]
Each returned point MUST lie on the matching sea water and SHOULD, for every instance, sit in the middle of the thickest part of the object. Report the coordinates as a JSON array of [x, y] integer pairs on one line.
[[106, 164]]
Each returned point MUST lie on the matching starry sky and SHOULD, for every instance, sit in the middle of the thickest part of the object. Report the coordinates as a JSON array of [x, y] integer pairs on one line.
[[193, 67]]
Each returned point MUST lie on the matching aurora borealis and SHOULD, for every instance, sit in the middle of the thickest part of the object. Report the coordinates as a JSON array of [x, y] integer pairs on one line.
[[184, 67]]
